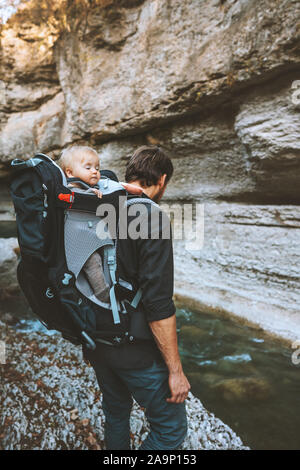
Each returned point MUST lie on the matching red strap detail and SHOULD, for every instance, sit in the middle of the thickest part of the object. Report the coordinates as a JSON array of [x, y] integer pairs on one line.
[[67, 198], [72, 199]]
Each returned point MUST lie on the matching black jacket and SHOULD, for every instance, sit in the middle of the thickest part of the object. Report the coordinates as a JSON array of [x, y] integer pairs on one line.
[[146, 263]]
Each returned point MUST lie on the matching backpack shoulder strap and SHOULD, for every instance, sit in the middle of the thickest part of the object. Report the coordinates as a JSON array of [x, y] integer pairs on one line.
[[112, 266], [135, 301], [131, 201], [140, 200]]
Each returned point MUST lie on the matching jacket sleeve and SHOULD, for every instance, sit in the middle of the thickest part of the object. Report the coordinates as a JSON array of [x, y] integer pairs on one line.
[[156, 274]]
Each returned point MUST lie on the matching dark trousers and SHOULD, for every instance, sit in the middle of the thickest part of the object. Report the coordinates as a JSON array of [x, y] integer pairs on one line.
[[149, 387]]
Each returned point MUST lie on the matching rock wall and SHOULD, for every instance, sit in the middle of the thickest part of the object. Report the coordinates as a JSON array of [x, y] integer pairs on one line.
[[209, 81]]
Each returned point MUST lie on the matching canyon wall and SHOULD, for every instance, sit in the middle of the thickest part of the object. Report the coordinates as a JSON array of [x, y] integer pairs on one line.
[[213, 82]]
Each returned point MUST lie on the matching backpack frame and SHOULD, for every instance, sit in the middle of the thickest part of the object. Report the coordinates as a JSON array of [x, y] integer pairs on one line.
[[42, 200]]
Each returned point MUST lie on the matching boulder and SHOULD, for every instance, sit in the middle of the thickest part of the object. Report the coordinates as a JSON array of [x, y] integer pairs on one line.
[[246, 390], [193, 335]]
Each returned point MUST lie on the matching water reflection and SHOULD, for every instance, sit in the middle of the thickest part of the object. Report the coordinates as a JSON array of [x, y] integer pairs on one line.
[[244, 378]]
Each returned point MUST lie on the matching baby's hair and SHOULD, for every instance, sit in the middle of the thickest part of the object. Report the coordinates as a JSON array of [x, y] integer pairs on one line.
[[69, 154]]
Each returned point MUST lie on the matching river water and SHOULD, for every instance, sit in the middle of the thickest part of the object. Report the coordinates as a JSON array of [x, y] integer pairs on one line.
[[245, 378]]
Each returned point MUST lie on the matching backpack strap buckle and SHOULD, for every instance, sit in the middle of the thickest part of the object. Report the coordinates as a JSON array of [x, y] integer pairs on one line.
[[18, 164], [112, 265], [136, 298]]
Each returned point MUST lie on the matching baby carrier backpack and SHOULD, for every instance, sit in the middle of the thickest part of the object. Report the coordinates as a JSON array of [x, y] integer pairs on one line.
[[58, 230]]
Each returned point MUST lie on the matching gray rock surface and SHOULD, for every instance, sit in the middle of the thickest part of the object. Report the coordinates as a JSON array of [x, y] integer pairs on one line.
[[8, 266], [23, 133], [134, 68], [248, 265], [268, 126], [212, 83], [135, 65], [50, 400]]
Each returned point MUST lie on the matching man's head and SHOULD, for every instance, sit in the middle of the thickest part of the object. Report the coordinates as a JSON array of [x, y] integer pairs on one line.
[[152, 169], [81, 162]]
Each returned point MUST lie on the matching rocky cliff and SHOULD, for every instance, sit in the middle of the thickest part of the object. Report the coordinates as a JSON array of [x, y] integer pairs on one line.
[[212, 82]]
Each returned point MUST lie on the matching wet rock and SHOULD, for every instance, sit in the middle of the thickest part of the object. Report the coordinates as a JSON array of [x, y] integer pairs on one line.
[[243, 368], [210, 378], [249, 389], [192, 334]]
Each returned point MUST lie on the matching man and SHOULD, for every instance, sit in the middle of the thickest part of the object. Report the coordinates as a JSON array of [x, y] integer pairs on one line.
[[148, 370]]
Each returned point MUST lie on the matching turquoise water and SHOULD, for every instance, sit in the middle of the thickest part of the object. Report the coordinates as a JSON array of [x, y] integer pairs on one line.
[[244, 378]]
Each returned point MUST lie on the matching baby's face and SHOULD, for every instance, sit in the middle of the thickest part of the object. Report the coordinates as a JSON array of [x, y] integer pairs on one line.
[[87, 168]]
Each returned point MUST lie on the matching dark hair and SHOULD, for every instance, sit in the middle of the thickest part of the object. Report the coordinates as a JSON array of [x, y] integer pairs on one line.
[[110, 174], [147, 165]]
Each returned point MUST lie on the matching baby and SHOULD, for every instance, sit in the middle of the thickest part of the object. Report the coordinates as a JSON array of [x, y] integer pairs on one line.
[[83, 162]]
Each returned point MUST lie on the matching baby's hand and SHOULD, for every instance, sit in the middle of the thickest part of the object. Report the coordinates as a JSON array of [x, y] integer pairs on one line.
[[132, 188], [97, 192]]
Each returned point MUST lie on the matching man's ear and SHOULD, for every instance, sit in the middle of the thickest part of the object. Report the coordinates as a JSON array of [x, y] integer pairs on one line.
[[162, 180]]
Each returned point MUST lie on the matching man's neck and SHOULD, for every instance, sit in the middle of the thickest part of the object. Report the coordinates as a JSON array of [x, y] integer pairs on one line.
[[150, 191]]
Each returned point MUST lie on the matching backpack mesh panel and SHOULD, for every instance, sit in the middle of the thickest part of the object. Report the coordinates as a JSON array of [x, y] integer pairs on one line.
[[80, 242]]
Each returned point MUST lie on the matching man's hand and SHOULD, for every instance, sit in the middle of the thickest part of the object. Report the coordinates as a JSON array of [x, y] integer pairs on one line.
[[179, 387], [164, 332]]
